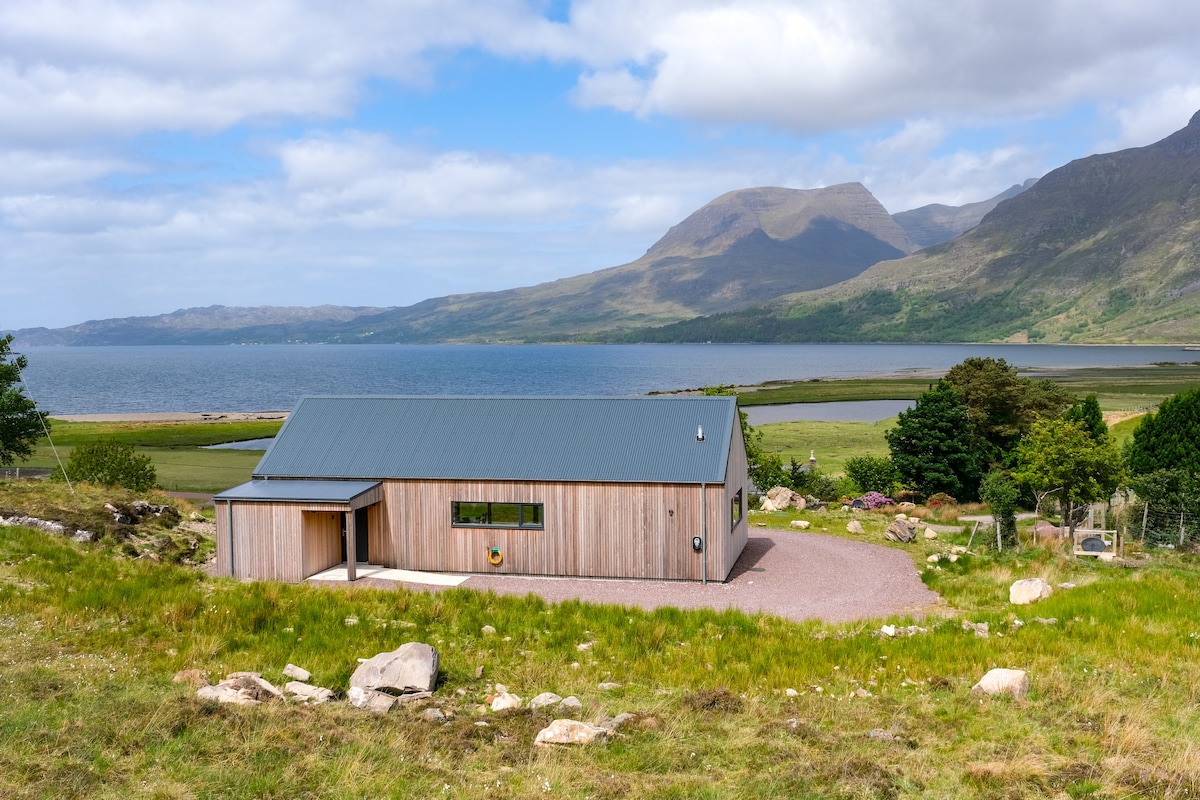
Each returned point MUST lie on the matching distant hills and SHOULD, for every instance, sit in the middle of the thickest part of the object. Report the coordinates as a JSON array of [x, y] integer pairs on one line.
[[1103, 250], [741, 249]]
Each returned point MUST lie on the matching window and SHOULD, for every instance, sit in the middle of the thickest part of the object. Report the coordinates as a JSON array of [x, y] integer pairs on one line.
[[736, 511], [496, 515]]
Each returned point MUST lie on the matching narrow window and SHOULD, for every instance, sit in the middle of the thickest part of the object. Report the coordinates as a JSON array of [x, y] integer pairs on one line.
[[496, 515], [736, 510]]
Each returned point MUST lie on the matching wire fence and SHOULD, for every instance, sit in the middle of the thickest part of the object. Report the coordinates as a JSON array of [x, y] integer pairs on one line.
[[1161, 526]]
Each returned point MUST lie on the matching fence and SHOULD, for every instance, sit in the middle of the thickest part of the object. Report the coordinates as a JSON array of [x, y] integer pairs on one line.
[[17, 473]]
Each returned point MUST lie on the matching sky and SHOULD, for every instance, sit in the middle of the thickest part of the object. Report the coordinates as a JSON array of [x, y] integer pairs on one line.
[[166, 154]]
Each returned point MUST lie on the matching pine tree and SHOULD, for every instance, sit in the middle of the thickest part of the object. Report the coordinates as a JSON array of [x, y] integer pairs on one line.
[[21, 424], [931, 445]]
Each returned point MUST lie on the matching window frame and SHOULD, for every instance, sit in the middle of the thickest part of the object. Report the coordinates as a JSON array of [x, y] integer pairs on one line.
[[539, 515], [737, 510]]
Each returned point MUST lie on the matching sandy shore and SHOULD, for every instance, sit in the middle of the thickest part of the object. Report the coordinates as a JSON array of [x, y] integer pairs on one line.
[[176, 416]]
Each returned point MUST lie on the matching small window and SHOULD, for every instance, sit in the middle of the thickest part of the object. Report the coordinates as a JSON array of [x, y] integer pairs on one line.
[[496, 515], [736, 510]]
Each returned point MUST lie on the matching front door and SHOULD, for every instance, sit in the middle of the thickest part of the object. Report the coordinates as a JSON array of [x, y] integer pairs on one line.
[[361, 539], [362, 555]]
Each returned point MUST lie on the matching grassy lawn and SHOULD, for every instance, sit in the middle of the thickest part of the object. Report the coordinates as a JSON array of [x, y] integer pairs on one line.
[[89, 643], [175, 448]]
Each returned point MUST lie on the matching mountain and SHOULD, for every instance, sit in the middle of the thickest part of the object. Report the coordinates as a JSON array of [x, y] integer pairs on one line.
[[742, 248], [1103, 250], [936, 223]]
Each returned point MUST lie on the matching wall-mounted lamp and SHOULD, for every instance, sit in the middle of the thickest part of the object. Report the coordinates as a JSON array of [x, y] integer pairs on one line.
[[699, 433]]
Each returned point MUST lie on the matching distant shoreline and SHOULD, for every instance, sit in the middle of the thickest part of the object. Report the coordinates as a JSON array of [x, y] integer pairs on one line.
[[176, 416]]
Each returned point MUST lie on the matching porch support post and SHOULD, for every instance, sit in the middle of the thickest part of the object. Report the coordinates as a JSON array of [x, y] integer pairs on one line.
[[351, 541]]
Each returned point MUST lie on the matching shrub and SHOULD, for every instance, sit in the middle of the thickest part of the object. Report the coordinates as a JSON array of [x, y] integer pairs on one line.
[[941, 499], [111, 462], [875, 500], [873, 473]]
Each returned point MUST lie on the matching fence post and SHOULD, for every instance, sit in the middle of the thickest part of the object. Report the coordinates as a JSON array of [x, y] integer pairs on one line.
[[1181, 529], [1145, 513], [999, 545]]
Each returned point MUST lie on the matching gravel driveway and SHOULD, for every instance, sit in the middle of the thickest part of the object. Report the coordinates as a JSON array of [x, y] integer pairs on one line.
[[799, 576]]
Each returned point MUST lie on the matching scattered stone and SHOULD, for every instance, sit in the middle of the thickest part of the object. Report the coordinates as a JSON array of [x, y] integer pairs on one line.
[[1046, 530], [412, 667], [240, 688], [377, 703], [1067, 585], [861, 692], [854, 526], [571, 704], [1045, 621], [934, 558], [432, 715], [958, 550], [500, 688], [297, 673], [802, 524], [1028, 591], [901, 517], [351, 621], [569, 731], [545, 699], [888, 630], [792, 692], [479, 671], [412, 697], [882, 735], [980, 628], [585, 646], [953, 557], [620, 721], [312, 695], [608, 686], [906, 507], [487, 630], [248, 679], [194, 677], [1014, 682], [901, 531], [930, 533], [503, 702]]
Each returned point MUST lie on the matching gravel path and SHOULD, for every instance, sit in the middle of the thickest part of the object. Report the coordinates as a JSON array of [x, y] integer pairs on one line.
[[798, 576]]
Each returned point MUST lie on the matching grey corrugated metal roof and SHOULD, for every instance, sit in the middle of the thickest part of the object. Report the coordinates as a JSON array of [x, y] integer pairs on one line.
[[299, 491], [624, 439]]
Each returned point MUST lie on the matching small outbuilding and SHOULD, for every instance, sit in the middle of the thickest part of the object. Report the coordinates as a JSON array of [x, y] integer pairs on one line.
[[624, 487]]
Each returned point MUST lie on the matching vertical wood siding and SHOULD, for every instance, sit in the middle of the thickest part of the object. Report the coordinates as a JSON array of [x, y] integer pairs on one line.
[[321, 533]]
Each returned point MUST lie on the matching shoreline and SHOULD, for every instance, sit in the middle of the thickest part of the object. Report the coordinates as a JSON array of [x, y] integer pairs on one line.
[[177, 416]]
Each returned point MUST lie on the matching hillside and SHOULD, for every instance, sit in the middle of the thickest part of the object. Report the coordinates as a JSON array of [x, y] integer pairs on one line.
[[1103, 250], [937, 223], [742, 248]]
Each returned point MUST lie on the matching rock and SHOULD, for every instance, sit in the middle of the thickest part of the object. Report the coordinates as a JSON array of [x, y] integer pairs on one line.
[[802, 524], [585, 646], [930, 533], [432, 715], [888, 630], [545, 699], [952, 557], [1044, 621], [1013, 682], [240, 688], [252, 681], [569, 731], [906, 507], [1029, 590], [297, 673], [958, 550], [500, 688], [1046, 530], [901, 531], [781, 497], [792, 692], [980, 628], [854, 526], [503, 702], [933, 558], [881, 734], [608, 686], [901, 517], [620, 721], [571, 704], [312, 695], [377, 703], [412, 667], [223, 693], [487, 630], [194, 677], [412, 697]]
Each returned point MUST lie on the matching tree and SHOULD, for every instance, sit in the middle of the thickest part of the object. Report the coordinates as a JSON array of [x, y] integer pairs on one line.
[[1061, 454], [21, 424], [1088, 412], [931, 445], [1003, 406], [1168, 438], [1001, 493], [111, 462], [873, 473]]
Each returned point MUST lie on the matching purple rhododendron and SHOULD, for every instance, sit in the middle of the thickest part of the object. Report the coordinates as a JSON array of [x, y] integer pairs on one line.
[[875, 500]]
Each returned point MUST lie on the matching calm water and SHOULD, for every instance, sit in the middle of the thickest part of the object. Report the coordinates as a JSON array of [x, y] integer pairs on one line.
[[112, 380]]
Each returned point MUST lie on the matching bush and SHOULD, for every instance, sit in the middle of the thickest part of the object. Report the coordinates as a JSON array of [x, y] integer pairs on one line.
[[111, 462], [873, 473], [875, 500]]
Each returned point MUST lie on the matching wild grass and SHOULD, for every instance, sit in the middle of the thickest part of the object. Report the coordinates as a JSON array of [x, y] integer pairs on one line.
[[88, 645]]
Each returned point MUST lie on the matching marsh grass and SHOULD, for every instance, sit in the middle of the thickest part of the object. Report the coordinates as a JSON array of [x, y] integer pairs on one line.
[[88, 645]]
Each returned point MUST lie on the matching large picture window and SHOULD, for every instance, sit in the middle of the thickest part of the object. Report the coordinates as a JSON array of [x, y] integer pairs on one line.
[[496, 515]]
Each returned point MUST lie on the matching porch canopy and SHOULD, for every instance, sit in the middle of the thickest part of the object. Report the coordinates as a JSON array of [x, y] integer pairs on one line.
[[296, 491]]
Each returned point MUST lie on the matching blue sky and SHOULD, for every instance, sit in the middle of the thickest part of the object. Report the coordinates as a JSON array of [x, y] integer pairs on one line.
[[164, 154]]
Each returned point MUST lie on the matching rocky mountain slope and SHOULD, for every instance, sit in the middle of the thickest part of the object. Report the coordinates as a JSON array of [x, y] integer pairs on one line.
[[937, 223], [1103, 250]]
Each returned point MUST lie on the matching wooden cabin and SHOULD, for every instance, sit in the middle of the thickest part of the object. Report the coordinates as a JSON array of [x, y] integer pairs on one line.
[[624, 487]]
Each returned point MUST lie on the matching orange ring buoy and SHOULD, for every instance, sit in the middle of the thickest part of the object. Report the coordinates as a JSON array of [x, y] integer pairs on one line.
[[495, 557]]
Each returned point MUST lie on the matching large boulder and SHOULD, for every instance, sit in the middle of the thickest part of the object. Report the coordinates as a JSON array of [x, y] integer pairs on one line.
[[901, 530], [412, 667], [781, 497], [569, 731], [1028, 591], [854, 526], [1013, 682]]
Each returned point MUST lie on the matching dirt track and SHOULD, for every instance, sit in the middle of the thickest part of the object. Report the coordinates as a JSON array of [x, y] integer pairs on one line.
[[799, 576]]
